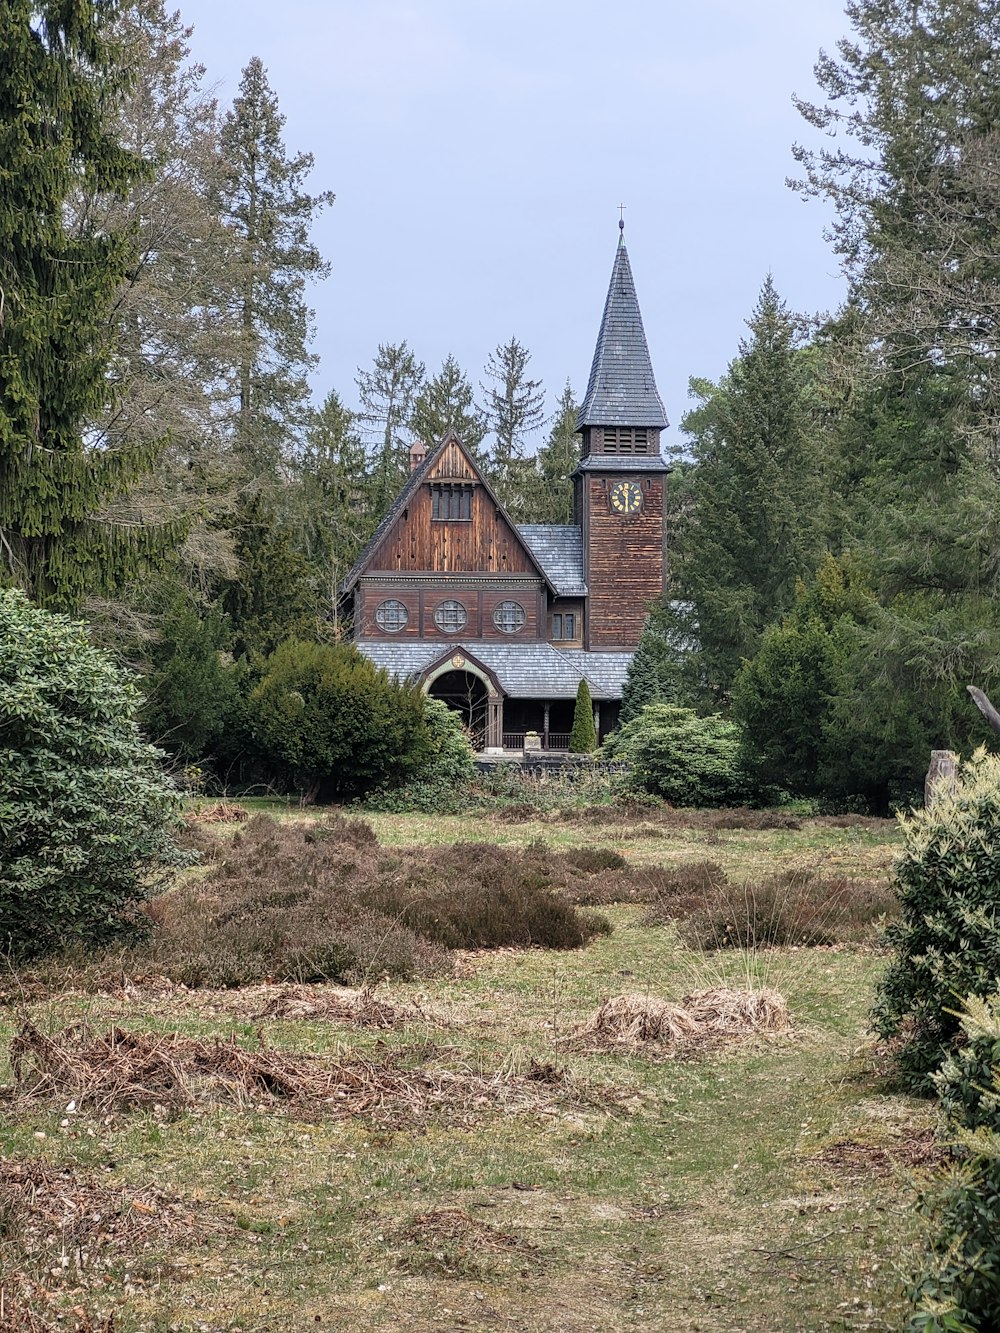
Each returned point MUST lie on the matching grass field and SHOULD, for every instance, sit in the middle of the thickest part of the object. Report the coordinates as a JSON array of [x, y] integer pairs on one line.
[[493, 1177]]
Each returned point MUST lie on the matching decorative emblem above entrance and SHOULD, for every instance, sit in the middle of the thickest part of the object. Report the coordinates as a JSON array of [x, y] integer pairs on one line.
[[458, 661]]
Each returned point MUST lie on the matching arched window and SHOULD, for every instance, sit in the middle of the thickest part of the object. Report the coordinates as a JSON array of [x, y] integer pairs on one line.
[[450, 617], [391, 616], [509, 617]]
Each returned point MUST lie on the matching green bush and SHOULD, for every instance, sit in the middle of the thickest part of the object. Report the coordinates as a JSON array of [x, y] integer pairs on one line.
[[959, 1290], [440, 785], [947, 941], [85, 808], [324, 720], [683, 758], [191, 691], [583, 737]]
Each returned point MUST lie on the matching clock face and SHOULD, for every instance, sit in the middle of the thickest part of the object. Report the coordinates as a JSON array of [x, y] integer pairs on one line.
[[626, 497]]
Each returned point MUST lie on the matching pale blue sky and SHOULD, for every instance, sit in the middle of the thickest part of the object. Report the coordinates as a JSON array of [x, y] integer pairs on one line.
[[479, 150]]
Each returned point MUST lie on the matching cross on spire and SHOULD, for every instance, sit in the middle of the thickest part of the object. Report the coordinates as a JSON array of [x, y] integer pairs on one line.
[[621, 217]]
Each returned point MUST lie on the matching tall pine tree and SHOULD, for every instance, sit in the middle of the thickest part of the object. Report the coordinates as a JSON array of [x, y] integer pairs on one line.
[[446, 402], [270, 213], [754, 523], [59, 286], [388, 392], [550, 497], [513, 405]]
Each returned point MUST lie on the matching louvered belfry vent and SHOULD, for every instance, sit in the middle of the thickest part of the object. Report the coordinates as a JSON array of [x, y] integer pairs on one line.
[[626, 440]]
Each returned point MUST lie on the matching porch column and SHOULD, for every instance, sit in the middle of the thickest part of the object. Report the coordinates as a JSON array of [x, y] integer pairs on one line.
[[545, 726], [494, 722], [597, 721]]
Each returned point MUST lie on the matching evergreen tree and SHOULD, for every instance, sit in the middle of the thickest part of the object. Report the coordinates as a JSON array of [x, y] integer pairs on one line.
[[190, 690], [918, 231], [272, 599], [650, 677], [60, 284], [388, 392], [583, 737], [755, 519], [332, 505], [172, 314], [550, 497], [270, 214], [513, 408], [445, 403]]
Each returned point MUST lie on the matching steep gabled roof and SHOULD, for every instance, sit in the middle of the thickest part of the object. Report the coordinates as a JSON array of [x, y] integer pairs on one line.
[[413, 482], [558, 548], [622, 390]]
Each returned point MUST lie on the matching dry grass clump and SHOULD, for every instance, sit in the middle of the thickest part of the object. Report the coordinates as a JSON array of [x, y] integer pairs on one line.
[[222, 812], [121, 1070], [318, 901], [22, 1301], [450, 1242], [704, 1018], [72, 1226], [794, 908], [354, 1008]]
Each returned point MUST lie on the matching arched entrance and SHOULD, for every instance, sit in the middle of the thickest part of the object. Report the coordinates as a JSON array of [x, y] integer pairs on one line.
[[467, 694]]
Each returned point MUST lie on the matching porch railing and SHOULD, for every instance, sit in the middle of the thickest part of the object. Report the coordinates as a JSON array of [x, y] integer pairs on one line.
[[556, 740]]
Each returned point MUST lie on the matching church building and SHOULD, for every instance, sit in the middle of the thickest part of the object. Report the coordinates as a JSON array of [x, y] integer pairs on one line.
[[502, 621]]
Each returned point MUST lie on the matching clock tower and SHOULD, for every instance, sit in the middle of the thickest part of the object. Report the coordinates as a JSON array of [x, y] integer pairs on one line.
[[620, 482]]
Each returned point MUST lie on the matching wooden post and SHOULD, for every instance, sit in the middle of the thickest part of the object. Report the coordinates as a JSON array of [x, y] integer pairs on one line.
[[545, 725], [942, 777]]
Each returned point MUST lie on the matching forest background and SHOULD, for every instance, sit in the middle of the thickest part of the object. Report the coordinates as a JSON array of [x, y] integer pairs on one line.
[[833, 544]]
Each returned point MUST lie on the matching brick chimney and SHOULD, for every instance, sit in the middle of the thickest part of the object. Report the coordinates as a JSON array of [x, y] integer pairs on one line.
[[418, 452]]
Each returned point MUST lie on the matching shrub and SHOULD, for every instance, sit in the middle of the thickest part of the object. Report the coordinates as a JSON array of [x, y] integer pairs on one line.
[[322, 901], [683, 758], [324, 720], [583, 737], [440, 785], [85, 808], [960, 1287], [796, 907], [191, 693], [947, 941]]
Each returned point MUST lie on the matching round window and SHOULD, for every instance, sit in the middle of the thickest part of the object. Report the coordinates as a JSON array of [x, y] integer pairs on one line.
[[391, 616], [450, 617], [509, 617]]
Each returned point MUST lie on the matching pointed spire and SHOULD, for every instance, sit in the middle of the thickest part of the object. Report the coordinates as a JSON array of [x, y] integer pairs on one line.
[[622, 390]]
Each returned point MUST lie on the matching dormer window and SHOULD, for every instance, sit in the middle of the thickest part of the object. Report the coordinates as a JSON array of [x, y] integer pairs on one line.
[[451, 504]]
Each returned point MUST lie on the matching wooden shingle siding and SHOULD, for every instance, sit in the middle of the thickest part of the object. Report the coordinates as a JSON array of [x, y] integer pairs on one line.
[[625, 570], [417, 543], [480, 602]]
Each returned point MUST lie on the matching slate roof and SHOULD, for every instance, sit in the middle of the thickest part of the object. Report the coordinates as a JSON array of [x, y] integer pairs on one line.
[[623, 463], [524, 670], [559, 550], [622, 390]]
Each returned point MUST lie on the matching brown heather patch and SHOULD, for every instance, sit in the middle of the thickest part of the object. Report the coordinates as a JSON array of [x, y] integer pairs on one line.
[[321, 900], [793, 908]]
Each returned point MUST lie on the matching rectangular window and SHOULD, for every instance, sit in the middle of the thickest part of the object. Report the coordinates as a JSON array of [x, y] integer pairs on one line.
[[564, 625], [451, 504]]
